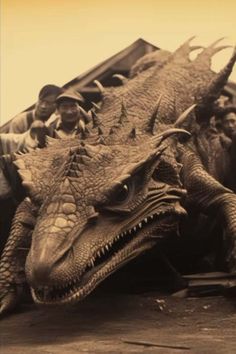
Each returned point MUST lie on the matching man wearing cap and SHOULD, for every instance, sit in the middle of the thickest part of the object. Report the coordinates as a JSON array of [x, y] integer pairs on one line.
[[72, 118], [44, 108]]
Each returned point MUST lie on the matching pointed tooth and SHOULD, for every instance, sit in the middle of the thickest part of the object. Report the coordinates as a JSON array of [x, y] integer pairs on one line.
[[146, 220], [134, 228], [107, 247], [130, 231], [151, 216], [140, 225]]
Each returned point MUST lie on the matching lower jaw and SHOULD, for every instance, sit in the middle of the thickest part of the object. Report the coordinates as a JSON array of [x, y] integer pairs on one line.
[[95, 279], [135, 247]]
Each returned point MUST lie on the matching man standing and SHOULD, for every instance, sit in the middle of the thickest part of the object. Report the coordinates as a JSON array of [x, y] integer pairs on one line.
[[44, 108], [228, 140], [229, 124], [71, 121]]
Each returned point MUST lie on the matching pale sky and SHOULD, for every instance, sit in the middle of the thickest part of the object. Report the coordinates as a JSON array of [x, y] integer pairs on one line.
[[53, 41]]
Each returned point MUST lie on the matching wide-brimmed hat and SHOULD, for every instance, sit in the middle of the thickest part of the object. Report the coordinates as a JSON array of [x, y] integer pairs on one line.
[[72, 95]]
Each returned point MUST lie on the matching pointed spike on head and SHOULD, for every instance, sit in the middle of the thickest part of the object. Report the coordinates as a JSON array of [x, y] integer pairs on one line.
[[112, 131], [96, 106], [91, 150], [81, 125], [99, 86], [84, 133], [20, 164], [182, 53], [185, 46], [85, 115], [102, 140], [182, 118], [152, 120], [209, 51], [220, 79], [123, 108], [133, 133], [95, 119], [218, 49], [100, 131], [123, 114], [195, 47], [216, 42]]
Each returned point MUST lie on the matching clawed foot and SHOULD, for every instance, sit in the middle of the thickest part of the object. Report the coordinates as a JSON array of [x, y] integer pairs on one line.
[[9, 296]]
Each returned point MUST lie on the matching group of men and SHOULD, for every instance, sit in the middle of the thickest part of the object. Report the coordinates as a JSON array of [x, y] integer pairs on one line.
[[57, 113]]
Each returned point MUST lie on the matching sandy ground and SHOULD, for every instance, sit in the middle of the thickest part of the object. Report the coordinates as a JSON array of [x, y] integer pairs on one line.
[[121, 323]]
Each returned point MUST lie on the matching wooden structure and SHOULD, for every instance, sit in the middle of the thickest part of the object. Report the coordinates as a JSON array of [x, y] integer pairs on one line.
[[119, 63]]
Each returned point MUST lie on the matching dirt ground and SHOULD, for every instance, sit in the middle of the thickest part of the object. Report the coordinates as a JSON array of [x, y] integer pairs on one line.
[[122, 323]]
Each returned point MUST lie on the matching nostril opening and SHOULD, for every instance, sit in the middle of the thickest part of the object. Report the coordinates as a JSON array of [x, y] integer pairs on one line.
[[40, 273]]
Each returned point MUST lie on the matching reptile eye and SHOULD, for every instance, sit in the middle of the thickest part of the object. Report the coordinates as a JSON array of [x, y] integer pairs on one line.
[[122, 194]]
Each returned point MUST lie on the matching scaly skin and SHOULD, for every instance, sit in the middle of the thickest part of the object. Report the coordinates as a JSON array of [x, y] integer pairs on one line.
[[12, 275], [211, 197], [115, 192]]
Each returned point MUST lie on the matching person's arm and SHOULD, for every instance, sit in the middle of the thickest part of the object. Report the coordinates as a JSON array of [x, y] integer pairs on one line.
[[14, 142], [18, 125]]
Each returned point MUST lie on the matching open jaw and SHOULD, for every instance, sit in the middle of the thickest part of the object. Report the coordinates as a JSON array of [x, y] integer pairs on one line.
[[117, 252]]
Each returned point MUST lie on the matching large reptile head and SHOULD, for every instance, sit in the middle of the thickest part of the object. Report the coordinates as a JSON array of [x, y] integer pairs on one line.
[[112, 193], [108, 204]]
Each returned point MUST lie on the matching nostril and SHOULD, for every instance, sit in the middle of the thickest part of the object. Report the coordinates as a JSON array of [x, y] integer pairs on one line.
[[40, 273]]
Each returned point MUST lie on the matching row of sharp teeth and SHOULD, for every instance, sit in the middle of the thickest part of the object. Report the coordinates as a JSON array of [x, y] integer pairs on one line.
[[46, 290], [107, 247], [101, 252]]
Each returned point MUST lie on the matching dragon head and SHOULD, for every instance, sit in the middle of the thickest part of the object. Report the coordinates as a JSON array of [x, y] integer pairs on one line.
[[108, 205]]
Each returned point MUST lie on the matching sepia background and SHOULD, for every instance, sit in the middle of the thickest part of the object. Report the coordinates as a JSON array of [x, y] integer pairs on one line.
[[52, 42]]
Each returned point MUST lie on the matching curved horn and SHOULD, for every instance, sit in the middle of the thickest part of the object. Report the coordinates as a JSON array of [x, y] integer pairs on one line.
[[99, 85], [221, 78], [157, 140], [208, 52], [182, 53], [183, 116], [122, 78]]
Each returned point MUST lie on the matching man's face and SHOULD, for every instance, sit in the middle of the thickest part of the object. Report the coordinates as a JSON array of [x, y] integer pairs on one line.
[[229, 124], [69, 111], [45, 107]]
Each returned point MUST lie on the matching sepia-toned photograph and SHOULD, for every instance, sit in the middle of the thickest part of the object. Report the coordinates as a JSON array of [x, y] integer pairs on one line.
[[117, 177]]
